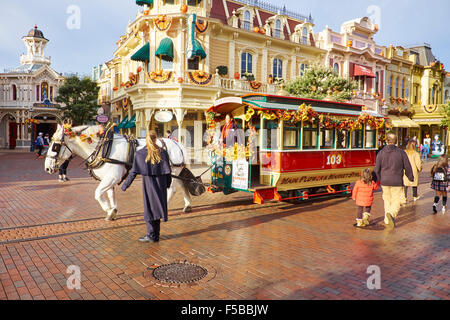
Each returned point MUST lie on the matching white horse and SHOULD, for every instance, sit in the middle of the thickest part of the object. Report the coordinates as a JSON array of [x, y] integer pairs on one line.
[[63, 145]]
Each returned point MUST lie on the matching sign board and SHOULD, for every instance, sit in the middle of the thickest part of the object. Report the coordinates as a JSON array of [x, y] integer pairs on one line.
[[240, 175], [102, 118], [163, 116]]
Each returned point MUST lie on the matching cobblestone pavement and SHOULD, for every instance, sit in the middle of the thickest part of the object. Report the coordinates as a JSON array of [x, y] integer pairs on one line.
[[274, 251]]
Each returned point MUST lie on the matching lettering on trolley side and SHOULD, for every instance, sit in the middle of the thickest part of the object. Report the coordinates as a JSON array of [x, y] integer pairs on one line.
[[333, 176]]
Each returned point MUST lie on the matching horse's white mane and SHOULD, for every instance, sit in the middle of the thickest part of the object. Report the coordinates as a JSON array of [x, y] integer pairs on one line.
[[87, 130]]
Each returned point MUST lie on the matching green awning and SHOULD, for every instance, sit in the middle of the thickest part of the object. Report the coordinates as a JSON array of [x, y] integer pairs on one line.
[[131, 123], [165, 50], [143, 54], [123, 123], [198, 50], [143, 2]]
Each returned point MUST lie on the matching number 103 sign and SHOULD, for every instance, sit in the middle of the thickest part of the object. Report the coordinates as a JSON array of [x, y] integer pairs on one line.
[[335, 160]]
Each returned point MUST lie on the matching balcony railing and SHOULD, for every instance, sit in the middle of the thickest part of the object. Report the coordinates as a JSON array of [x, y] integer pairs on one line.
[[274, 8]]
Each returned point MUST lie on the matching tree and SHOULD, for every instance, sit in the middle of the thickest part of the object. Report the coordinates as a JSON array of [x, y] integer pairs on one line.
[[79, 99], [445, 108], [320, 82]]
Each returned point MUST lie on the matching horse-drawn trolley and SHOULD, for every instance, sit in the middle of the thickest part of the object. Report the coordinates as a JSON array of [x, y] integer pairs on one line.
[[283, 148]]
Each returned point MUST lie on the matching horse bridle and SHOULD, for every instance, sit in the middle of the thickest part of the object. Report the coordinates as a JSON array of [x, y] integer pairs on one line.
[[57, 144]]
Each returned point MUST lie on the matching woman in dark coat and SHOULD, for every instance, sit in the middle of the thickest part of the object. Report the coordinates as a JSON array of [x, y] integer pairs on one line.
[[153, 164]]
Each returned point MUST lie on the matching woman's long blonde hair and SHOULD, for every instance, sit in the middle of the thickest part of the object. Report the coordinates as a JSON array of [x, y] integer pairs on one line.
[[411, 147], [153, 150]]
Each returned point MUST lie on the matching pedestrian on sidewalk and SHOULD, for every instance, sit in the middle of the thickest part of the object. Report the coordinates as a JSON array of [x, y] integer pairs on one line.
[[391, 165], [40, 145], [416, 165], [440, 174], [46, 143], [63, 170], [363, 194], [152, 163]]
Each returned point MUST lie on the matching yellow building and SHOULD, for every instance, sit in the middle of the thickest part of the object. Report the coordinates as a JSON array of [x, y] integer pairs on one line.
[[398, 92], [427, 92], [180, 58]]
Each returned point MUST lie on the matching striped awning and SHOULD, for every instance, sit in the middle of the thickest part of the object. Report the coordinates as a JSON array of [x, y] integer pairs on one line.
[[165, 50], [144, 2], [408, 121], [123, 123], [198, 50], [143, 54], [131, 123]]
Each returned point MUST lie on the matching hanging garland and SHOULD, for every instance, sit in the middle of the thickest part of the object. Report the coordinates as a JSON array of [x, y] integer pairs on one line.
[[163, 22], [201, 26], [32, 121], [125, 104], [307, 114], [160, 76], [200, 78], [133, 78], [255, 85]]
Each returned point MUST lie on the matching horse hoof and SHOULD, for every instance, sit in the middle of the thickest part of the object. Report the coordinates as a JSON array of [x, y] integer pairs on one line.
[[187, 209], [112, 215]]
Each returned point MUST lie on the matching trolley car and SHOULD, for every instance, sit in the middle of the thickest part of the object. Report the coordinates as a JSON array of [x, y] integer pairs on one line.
[[291, 148]]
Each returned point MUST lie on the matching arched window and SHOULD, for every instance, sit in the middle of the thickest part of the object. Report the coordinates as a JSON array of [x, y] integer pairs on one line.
[[278, 28], [14, 92], [433, 93], [246, 63], [336, 68], [246, 23], [305, 36], [44, 91], [277, 68]]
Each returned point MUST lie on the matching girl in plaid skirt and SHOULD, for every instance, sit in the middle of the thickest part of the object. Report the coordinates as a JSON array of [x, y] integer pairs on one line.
[[440, 173]]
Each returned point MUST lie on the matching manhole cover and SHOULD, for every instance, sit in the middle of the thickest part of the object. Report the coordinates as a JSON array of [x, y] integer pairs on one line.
[[179, 273]]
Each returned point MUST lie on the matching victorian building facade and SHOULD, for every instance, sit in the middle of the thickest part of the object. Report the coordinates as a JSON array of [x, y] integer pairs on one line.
[[179, 58], [353, 53], [27, 95], [427, 91]]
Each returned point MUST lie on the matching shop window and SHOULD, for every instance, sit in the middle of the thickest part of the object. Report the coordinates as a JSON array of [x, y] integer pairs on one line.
[[342, 139], [189, 136], [291, 136], [327, 139], [370, 136], [194, 3], [357, 139], [168, 2], [270, 136], [193, 63], [246, 63], [310, 134], [277, 68], [336, 68]]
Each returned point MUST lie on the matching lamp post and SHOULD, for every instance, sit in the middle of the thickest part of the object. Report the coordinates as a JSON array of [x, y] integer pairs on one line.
[[32, 131]]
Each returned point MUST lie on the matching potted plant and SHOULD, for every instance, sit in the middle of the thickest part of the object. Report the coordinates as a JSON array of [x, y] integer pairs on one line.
[[222, 70], [249, 76]]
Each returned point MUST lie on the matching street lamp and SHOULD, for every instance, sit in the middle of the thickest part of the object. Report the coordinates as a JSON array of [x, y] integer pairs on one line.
[[32, 131]]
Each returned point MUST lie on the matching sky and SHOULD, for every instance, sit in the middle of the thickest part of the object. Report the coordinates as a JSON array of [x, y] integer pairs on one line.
[[78, 47]]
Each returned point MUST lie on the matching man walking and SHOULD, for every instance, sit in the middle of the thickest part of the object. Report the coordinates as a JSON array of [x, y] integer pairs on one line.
[[391, 165], [40, 145]]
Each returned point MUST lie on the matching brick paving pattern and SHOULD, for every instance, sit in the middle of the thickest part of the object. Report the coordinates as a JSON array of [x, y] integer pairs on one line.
[[275, 251]]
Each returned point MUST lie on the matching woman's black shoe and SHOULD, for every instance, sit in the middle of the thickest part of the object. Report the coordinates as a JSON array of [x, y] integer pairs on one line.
[[434, 209]]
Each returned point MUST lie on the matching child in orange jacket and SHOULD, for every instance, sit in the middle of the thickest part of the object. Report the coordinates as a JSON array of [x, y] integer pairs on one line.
[[363, 194]]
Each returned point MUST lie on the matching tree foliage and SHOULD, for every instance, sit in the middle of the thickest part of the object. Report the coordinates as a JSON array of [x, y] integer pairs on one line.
[[79, 99], [320, 82], [446, 110]]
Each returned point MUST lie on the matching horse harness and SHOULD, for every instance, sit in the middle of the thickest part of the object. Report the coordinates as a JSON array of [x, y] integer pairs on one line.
[[101, 154]]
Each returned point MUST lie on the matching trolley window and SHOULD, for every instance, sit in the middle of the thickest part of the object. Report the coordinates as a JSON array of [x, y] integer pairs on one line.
[[327, 138], [270, 136], [310, 135], [342, 139], [291, 136], [357, 139], [371, 136]]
